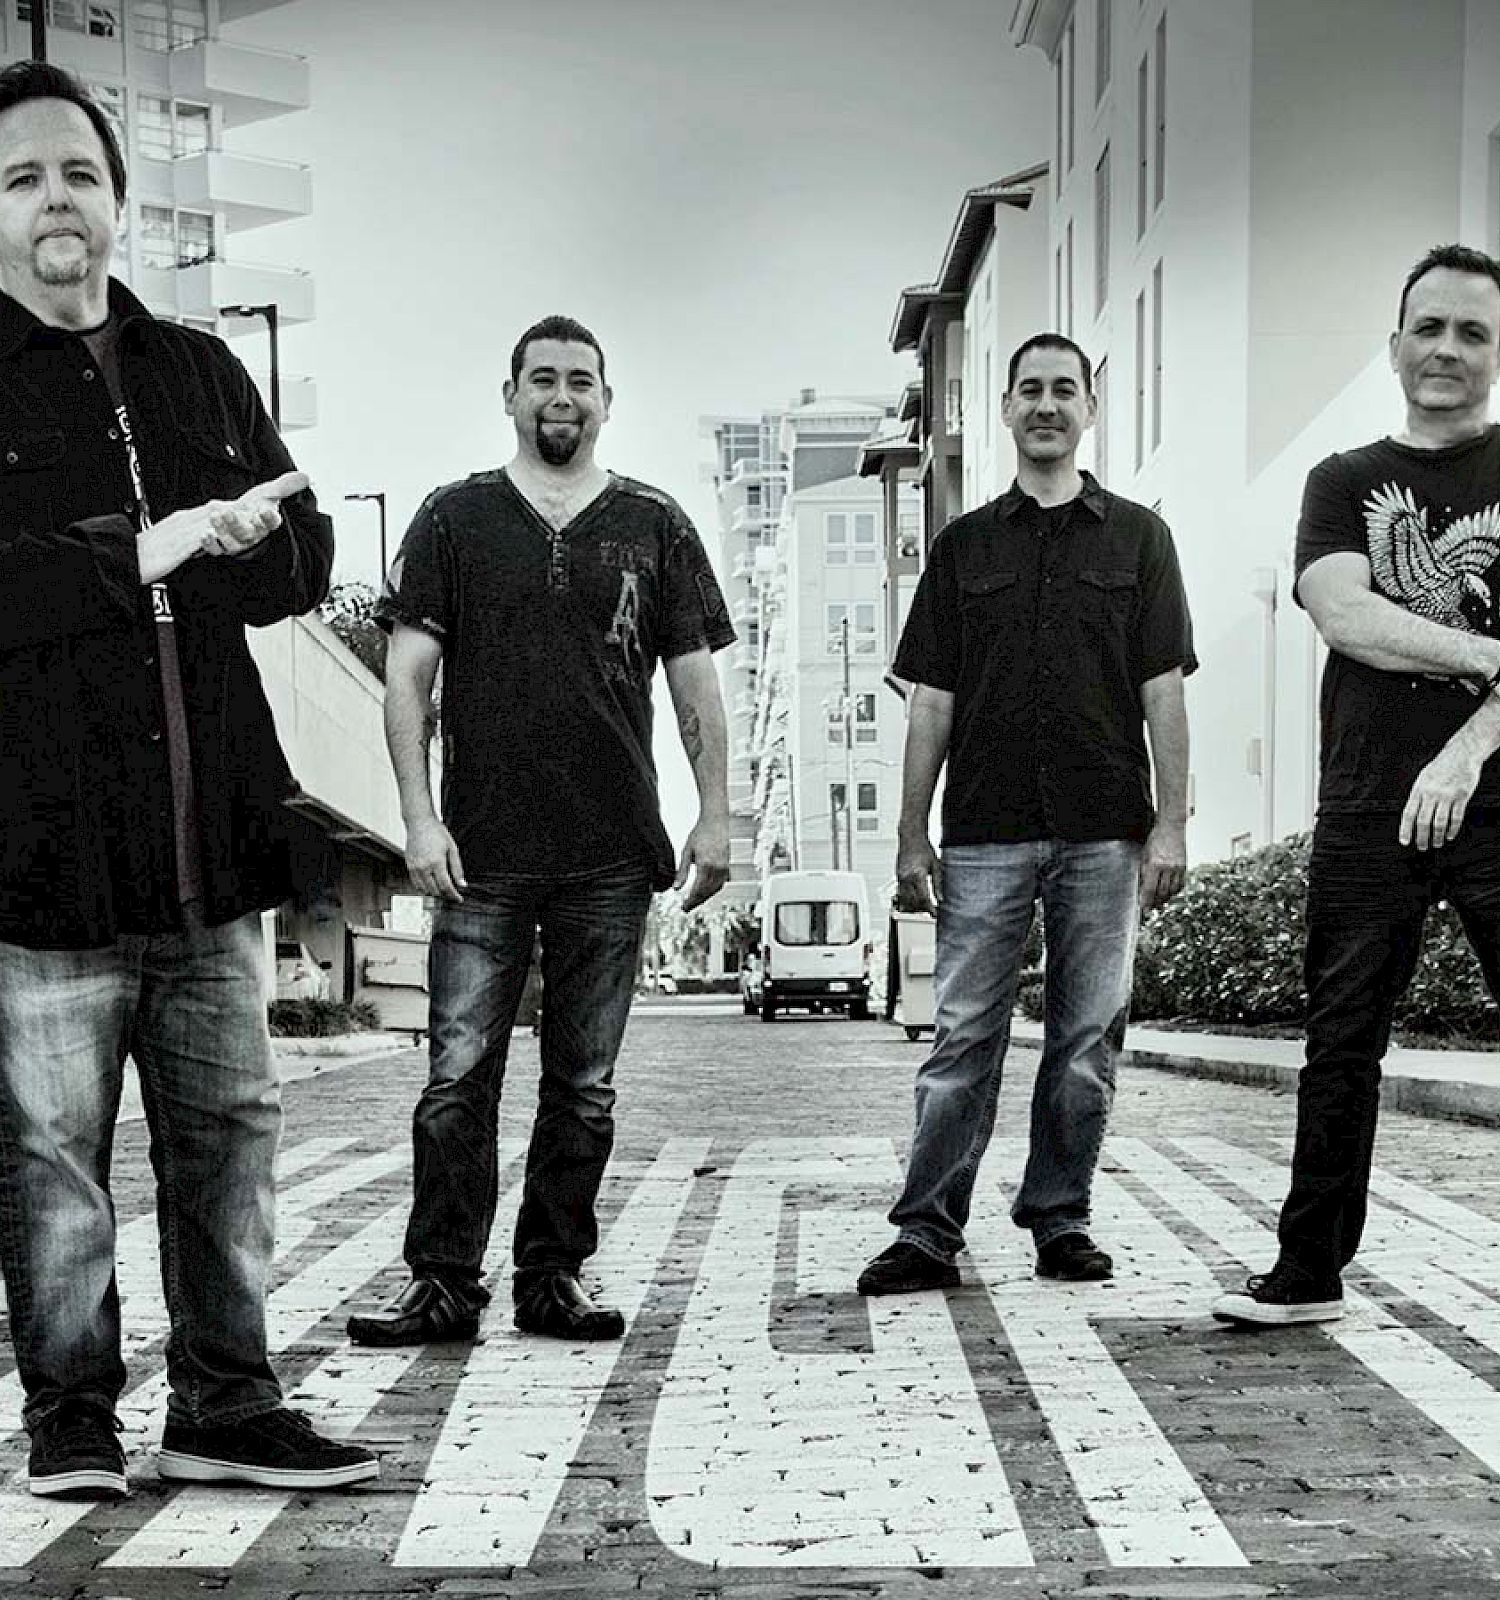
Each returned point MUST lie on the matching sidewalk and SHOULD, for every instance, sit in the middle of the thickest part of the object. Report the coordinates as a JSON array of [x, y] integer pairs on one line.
[[1428, 1083]]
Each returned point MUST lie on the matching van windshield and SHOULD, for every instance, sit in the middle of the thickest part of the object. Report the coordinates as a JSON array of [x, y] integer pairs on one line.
[[817, 922]]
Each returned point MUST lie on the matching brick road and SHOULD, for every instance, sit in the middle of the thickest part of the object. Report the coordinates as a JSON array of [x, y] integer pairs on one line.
[[762, 1432]]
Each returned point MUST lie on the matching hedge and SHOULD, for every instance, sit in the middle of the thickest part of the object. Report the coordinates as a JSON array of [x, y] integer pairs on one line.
[[1229, 949]]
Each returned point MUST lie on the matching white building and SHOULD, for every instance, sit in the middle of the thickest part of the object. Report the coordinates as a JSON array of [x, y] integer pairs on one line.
[[177, 89], [1239, 188], [826, 738]]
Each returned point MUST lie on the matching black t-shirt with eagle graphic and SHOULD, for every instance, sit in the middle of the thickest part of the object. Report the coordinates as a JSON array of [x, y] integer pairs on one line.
[[550, 643], [1429, 523]]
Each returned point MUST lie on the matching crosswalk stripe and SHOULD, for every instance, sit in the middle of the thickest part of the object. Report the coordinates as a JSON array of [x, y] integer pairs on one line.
[[763, 1458], [1444, 1390], [523, 1405], [1143, 1502], [1458, 1220], [299, 1157]]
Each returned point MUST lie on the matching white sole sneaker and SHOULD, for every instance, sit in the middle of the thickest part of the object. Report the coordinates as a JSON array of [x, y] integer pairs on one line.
[[179, 1467], [1274, 1314], [84, 1483]]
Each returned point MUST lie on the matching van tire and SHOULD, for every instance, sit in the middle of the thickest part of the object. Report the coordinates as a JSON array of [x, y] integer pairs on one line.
[[767, 1008], [859, 1011]]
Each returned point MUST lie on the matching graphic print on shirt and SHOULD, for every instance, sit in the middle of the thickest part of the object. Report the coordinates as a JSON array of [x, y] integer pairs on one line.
[[1449, 575], [625, 631]]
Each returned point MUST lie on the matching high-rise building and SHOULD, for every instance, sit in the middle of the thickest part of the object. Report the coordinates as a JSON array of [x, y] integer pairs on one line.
[[173, 83], [1238, 190]]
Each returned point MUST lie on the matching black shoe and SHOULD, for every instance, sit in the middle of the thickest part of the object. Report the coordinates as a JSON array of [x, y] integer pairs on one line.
[[554, 1303], [1284, 1295], [76, 1454], [903, 1268], [424, 1311], [1075, 1258], [274, 1449]]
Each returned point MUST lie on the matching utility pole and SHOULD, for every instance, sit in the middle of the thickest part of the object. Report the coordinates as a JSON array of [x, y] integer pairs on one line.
[[39, 29], [1263, 586], [847, 712]]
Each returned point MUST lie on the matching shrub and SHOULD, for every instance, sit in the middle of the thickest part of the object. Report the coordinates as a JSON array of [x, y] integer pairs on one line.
[[320, 1019]]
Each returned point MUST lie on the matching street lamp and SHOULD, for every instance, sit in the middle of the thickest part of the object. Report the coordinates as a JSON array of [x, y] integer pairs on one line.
[[378, 496], [269, 312]]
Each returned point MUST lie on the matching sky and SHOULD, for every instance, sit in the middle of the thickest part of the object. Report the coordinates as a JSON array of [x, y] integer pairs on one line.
[[730, 195]]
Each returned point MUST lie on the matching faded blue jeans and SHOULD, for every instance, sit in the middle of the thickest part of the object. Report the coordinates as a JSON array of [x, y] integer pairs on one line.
[[1090, 899], [591, 930], [190, 1008]]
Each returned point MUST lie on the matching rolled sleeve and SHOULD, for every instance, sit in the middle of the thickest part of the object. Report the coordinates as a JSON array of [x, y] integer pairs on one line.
[[1165, 638]]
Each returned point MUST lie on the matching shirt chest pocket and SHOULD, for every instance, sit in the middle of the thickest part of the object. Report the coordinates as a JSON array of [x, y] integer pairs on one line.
[[989, 593], [1106, 596], [211, 466], [29, 464]]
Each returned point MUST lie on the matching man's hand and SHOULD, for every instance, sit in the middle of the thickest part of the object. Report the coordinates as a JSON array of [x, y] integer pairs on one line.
[[1163, 864], [919, 876], [1435, 807], [706, 853], [433, 861], [217, 528]]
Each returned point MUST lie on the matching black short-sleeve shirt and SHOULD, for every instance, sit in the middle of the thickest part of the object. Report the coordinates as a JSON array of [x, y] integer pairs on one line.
[[550, 643], [1043, 624], [1428, 522]]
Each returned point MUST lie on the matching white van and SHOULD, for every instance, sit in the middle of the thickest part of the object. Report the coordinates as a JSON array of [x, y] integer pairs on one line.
[[815, 943]]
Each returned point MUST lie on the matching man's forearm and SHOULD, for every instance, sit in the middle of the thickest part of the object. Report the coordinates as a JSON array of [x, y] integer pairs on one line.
[[705, 741], [1379, 633], [928, 726], [1481, 733], [408, 733], [1167, 724]]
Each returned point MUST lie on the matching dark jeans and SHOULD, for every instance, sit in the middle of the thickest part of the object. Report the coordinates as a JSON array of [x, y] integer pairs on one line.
[[591, 931], [190, 1008], [1367, 900]]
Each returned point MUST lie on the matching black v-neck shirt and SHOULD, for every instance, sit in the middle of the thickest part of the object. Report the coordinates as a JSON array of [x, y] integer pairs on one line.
[[551, 639]]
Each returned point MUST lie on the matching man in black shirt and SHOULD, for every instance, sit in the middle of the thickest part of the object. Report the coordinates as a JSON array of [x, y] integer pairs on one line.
[[1048, 631], [1397, 550], [549, 590], [148, 513]]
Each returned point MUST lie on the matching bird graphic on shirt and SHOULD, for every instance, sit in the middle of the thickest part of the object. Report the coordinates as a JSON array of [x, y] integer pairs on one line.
[[1451, 576]]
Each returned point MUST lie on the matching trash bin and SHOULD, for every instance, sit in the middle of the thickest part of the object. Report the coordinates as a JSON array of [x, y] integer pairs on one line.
[[390, 971], [913, 949]]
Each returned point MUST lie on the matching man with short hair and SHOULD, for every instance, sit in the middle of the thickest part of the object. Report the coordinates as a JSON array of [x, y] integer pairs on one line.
[[148, 512], [548, 590], [1048, 632], [1398, 565]]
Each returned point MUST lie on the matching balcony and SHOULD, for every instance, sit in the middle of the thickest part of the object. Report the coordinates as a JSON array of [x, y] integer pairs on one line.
[[248, 191], [299, 398], [201, 290], [747, 517], [248, 84], [235, 10]]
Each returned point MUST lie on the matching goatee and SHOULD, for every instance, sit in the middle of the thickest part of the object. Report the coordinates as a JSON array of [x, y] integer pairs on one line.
[[557, 450]]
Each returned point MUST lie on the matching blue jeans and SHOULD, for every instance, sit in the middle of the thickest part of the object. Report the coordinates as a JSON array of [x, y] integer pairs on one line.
[[591, 931], [190, 1008], [1367, 901], [1089, 895]]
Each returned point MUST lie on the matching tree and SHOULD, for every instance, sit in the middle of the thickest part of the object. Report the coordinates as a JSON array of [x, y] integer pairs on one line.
[[350, 611]]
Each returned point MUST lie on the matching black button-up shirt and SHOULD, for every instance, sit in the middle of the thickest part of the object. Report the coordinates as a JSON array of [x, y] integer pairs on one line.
[[1043, 624]]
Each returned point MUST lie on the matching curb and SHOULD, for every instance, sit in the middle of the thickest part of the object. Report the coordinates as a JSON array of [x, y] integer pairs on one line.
[[1421, 1097], [343, 1044]]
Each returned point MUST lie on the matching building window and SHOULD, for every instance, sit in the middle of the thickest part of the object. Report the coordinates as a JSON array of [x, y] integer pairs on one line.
[[189, 22], [169, 24], [153, 127], [836, 539], [908, 535], [1142, 146], [110, 98], [1101, 231], [101, 21], [1161, 110], [864, 539], [1057, 288], [1102, 47], [1140, 381], [158, 237], [1156, 355], [861, 619], [866, 729], [189, 129], [1057, 99], [195, 238], [752, 495], [867, 807], [1069, 280], [1101, 422]]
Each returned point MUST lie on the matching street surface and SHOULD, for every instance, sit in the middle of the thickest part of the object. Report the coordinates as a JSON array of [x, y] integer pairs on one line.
[[763, 1433]]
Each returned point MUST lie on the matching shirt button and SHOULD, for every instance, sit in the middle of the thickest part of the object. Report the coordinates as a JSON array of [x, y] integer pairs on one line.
[[11, 457], [88, 374], [114, 433], [156, 736], [149, 659]]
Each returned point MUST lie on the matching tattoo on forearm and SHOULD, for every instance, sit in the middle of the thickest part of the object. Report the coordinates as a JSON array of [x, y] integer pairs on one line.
[[692, 734]]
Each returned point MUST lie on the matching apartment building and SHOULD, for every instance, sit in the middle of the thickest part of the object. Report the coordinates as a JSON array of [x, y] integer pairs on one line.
[[177, 89], [1237, 189]]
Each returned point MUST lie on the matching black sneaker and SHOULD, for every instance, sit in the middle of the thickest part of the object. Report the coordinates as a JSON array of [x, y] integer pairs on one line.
[[1284, 1295], [76, 1454], [902, 1268], [1075, 1258], [274, 1449]]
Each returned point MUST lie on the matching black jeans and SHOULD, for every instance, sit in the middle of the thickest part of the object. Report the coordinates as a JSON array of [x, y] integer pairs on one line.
[[1367, 900], [591, 931]]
